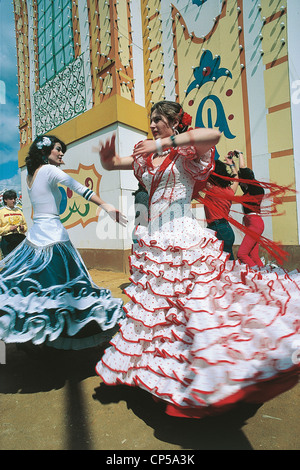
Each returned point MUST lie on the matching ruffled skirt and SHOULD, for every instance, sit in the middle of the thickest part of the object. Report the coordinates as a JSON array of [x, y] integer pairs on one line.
[[202, 332], [47, 296]]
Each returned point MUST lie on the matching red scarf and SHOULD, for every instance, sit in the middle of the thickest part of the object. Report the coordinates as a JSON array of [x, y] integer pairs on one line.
[[160, 171], [275, 196]]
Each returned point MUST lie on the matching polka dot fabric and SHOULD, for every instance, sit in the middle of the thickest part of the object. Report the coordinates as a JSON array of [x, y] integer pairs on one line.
[[201, 332]]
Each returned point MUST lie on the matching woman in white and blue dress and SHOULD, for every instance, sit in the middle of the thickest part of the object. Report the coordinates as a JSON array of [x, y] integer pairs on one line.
[[201, 332], [46, 293]]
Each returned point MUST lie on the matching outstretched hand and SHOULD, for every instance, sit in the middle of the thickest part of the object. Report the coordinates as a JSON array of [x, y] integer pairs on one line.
[[115, 214], [118, 217], [107, 152]]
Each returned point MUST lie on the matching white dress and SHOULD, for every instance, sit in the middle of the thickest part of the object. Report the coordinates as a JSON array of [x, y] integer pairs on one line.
[[46, 293], [200, 332]]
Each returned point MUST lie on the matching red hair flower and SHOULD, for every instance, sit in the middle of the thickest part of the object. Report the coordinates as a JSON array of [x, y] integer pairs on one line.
[[186, 119]]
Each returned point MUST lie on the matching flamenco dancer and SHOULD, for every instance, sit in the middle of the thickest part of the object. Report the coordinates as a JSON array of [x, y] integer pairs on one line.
[[46, 293], [248, 252], [201, 332]]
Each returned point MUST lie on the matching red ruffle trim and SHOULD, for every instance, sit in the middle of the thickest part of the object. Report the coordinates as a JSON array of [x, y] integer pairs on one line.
[[257, 393]]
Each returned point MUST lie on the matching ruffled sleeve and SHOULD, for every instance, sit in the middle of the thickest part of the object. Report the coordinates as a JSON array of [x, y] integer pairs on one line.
[[140, 166], [199, 168]]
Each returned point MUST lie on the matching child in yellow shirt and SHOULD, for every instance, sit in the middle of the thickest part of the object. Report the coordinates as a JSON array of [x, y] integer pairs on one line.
[[12, 223]]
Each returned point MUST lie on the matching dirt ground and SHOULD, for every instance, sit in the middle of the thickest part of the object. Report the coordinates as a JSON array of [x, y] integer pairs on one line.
[[56, 401]]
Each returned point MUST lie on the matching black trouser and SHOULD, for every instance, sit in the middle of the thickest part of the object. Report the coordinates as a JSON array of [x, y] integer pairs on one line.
[[9, 242], [225, 233]]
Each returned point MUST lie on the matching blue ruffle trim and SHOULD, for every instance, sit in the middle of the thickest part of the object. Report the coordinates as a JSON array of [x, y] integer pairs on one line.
[[48, 296]]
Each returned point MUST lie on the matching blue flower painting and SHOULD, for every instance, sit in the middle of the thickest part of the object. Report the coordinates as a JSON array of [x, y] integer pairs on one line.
[[208, 70]]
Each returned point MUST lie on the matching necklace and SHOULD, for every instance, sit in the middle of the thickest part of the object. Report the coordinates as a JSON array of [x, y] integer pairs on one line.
[[153, 156], [158, 156], [162, 154]]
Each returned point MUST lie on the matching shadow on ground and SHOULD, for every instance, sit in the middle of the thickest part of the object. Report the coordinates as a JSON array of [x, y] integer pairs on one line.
[[47, 369], [218, 433], [44, 369]]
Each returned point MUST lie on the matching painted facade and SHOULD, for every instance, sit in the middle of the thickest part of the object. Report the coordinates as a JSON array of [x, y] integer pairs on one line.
[[88, 68]]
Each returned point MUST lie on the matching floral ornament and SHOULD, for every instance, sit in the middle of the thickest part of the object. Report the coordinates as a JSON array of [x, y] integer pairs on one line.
[[45, 142], [186, 120], [209, 70]]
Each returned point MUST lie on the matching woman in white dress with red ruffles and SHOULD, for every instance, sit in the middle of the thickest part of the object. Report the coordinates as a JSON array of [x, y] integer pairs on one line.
[[201, 332]]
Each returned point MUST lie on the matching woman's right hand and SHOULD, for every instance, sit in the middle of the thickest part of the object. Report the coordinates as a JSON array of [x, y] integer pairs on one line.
[[107, 152]]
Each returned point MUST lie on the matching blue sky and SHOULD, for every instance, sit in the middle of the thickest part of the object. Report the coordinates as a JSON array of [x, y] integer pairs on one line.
[[9, 120]]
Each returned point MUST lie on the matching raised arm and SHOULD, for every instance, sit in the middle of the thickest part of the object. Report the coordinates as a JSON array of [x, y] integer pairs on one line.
[[201, 139], [234, 172], [110, 160], [240, 156]]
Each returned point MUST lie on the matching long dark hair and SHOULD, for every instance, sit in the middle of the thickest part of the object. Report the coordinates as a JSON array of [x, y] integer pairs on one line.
[[220, 169], [171, 111], [40, 150]]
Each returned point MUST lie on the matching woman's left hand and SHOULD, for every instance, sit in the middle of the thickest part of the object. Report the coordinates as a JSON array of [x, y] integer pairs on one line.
[[115, 214]]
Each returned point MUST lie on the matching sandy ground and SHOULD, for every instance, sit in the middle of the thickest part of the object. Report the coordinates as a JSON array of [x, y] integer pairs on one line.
[[55, 401]]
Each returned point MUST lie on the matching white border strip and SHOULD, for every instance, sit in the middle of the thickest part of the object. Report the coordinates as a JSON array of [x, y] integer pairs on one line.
[[293, 34]]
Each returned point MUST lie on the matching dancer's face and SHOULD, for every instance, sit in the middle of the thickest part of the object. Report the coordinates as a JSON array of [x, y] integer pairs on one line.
[[56, 155], [160, 126]]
